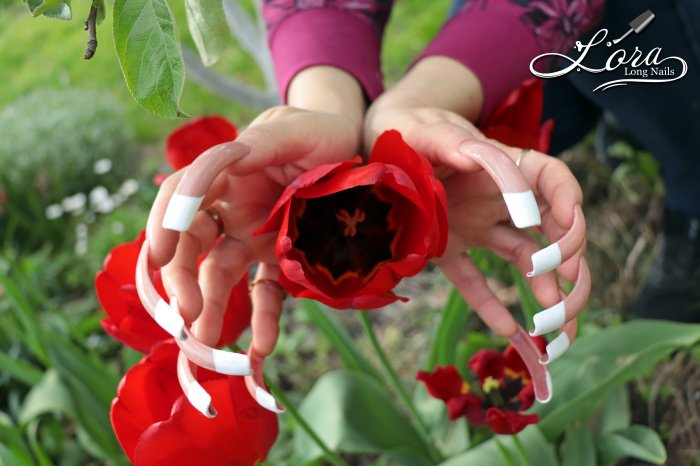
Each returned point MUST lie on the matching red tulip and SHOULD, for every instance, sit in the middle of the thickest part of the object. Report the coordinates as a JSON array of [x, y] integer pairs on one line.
[[348, 233], [505, 390], [517, 120], [128, 321], [156, 425], [194, 137]]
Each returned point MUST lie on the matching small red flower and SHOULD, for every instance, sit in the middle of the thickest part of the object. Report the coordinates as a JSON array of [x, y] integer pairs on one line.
[[504, 385], [127, 320], [156, 425], [194, 137], [348, 233], [517, 120]]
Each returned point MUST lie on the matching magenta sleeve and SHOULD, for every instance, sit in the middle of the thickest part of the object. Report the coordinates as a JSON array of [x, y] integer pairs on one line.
[[333, 36], [497, 39]]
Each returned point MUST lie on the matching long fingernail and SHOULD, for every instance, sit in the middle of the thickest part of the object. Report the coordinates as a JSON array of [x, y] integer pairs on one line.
[[549, 319], [200, 399], [266, 400], [545, 260], [229, 363], [181, 211], [556, 348], [169, 319], [523, 209], [550, 390]]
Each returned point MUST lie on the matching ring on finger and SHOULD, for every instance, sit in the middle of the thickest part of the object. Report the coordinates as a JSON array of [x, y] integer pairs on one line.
[[216, 217], [269, 282], [522, 154]]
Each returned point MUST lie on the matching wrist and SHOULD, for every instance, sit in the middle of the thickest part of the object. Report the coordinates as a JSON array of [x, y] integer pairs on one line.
[[329, 90], [437, 82]]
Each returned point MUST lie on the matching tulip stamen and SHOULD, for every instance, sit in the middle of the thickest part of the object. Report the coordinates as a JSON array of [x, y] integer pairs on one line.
[[350, 221]]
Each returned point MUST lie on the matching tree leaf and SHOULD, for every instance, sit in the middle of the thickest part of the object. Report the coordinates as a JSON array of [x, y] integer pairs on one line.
[[208, 27], [578, 448], [58, 9], [149, 54], [599, 362], [636, 441], [353, 413]]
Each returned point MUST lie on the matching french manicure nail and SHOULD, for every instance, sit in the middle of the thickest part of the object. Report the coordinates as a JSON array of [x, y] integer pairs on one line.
[[549, 319], [181, 211], [545, 260]]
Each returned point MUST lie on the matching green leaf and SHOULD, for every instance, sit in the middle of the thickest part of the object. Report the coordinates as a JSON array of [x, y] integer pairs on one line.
[[453, 326], [340, 339], [599, 362], [50, 395], [58, 9], [538, 450], [101, 13], [352, 413], [506, 455], [38, 450], [578, 448], [615, 411], [13, 450], [528, 302], [208, 28], [639, 442], [150, 55], [24, 313], [20, 369]]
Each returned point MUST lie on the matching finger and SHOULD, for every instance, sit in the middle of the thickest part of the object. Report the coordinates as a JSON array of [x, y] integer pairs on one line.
[[223, 267], [456, 147], [193, 185], [180, 274], [556, 316], [267, 296], [517, 247]]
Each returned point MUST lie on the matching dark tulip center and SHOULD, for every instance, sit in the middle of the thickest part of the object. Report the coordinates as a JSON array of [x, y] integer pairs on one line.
[[349, 232]]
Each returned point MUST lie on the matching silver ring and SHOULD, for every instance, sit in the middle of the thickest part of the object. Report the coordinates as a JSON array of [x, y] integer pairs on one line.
[[520, 156]]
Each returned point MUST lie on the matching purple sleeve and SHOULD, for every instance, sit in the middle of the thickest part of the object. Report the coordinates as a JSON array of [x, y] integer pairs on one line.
[[497, 39], [342, 33]]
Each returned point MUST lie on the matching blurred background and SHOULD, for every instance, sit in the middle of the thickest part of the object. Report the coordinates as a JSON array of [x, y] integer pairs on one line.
[[77, 159]]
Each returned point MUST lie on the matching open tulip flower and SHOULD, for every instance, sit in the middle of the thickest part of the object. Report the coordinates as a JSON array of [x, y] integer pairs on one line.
[[504, 390], [348, 233], [155, 424]]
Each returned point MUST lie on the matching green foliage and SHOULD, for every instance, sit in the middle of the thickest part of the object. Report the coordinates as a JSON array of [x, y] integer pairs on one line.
[[59, 9], [50, 142], [208, 27], [452, 328]]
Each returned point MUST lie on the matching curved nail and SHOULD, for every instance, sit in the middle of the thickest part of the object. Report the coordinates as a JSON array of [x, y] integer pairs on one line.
[[556, 348], [256, 385], [195, 393], [223, 362], [530, 354], [180, 212], [523, 209], [551, 257], [550, 319]]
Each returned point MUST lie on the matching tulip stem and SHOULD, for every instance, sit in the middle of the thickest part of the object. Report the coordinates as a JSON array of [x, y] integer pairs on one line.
[[291, 409], [521, 451], [398, 387]]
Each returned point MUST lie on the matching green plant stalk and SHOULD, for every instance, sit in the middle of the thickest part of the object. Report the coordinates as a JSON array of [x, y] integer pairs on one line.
[[398, 387], [521, 451], [291, 409]]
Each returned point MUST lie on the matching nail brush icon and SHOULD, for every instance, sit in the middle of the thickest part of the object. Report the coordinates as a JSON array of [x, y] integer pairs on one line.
[[636, 25]]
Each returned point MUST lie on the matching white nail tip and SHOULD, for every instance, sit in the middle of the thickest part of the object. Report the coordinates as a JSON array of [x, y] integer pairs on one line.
[[266, 400], [557, 347], [549, 389], [549, 319], [226, 362], [181, 211], [545, 260], [169, 319], [200, 399], [523, 209]]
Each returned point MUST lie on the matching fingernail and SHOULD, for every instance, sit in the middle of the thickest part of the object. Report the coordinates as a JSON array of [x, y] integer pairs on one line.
[[549, 319], [229, 363], [550, 390], [181, 211], [556, 348], [169, 319], [523, 209], [545, 260], [200, 399], [266, 400]]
